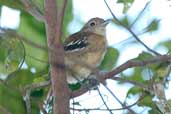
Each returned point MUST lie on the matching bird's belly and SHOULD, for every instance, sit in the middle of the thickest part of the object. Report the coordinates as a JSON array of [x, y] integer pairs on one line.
[[77, 73], [80, 68]]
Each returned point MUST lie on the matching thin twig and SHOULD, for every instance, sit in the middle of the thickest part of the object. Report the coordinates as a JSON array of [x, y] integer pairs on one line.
[[140, 14], [104, 101], [130, 38], [133, 34], [28, 89], [101, 109], [38, 85], [31, 8], [60, 15], [27, 101], [123, 105]]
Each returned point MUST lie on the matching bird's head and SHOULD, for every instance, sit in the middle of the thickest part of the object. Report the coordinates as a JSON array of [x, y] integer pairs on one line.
[[96, 25]]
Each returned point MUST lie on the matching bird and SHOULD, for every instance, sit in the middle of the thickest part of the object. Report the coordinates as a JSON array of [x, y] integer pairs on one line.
[[85, 50]]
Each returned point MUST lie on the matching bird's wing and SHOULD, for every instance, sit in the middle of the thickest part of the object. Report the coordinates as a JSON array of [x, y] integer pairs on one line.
[[76, 42]]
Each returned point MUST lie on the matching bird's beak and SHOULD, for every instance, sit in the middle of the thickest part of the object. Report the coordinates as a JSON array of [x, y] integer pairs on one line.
[[106, 22]]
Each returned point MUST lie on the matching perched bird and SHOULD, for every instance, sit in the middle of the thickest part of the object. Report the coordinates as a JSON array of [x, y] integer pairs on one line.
[[85, 50]]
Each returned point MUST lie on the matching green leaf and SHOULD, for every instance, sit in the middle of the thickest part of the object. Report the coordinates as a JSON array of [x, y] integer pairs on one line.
[[21, 78], [127, 4], [153, 26], [34, 31], [138, 71], [75, 86], [161, 71], [77, 104], [136, 76], [124, 21], [134, 90], [125, 1], [146, 101], [11, 99], [166, 44], [18, 81], [39, 79], [10, 92], [144, 56], [156, 71], [155, 111], [169, 103], [12, 53], [37, 93], [110, 59]]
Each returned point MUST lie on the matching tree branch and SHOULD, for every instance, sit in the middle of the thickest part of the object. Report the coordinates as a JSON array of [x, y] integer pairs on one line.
[[27, 91], [133, 63], [33, 10], [124, 66], [53, 21]]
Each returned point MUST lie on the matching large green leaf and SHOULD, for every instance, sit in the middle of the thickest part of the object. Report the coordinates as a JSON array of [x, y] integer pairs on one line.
[[11, 92], [75, 86], [11, 100], [134, 90], [34, 31], [110, 59], [21, 78], [146, 101], [18, 81], [12, 53]]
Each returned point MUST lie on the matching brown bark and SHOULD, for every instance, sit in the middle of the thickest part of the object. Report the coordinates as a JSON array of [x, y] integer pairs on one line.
[[53, 21]]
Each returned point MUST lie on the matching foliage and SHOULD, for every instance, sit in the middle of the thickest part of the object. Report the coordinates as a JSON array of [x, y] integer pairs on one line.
[[14, 53], [14, 50], [127, 4], [109, 60], [33, 31]]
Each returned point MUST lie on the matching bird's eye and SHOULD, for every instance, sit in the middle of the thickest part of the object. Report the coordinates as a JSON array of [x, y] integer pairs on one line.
[[92, 24]]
